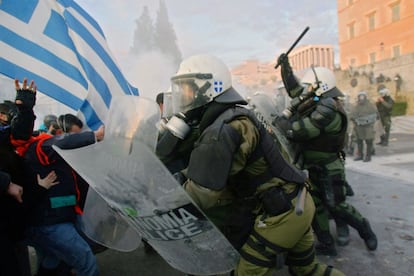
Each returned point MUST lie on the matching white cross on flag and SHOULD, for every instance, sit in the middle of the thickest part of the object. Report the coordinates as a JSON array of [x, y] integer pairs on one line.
[[59, 46]]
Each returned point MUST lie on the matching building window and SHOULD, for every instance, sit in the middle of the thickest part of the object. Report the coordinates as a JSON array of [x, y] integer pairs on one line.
[[371, 22], [353, 62], [351, 30], [395, 12], [396, 51], [372, 57]]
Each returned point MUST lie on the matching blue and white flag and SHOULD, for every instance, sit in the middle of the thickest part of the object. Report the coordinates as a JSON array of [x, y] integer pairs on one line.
[[59, 46]]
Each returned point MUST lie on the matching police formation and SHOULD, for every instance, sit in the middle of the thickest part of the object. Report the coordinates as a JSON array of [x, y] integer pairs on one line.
[[234, 169]]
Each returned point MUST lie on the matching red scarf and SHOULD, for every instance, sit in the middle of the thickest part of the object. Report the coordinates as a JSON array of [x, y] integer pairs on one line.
[[21, 146]]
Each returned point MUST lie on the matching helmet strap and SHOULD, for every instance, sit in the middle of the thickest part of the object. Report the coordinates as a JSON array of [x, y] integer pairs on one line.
[[202, 98], [202, 90]]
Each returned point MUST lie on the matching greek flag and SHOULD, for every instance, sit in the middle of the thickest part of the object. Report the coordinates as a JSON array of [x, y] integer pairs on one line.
[[59, 46]]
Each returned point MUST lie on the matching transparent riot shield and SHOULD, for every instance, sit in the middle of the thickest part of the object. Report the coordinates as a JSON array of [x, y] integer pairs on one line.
[[266, 111], [125, 172], [105, 226]]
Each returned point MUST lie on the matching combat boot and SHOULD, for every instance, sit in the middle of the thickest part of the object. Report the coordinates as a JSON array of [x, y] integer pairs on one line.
[[325, 245], [386, 138], [366, 233], [358, 158], [325, 249], [381, 142], [342, 231], [360, 151], [348, 189], [369, 150]]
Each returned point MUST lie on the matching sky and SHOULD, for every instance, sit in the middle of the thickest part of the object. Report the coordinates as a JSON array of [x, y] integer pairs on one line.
[[233, 30]]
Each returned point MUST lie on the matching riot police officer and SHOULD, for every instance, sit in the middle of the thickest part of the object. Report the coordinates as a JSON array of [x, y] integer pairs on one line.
[[237, 175], [316, 122], [363, 115], [384, 105]]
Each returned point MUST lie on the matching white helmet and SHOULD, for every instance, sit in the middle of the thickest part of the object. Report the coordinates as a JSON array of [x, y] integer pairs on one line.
[[362, 96], [384, 91], [201, 79], [322, 79]]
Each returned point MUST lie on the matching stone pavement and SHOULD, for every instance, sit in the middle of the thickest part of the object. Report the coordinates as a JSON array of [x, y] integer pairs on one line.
[[397, 159], [403, 124], [384, 192]]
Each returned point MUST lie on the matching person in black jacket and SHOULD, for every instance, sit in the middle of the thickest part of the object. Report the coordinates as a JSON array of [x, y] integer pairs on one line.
[[52, 221], [16, 122], [9, 259]]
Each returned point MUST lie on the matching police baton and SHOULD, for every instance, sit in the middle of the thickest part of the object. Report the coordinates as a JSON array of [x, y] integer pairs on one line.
[[294, 44], [300, 202]]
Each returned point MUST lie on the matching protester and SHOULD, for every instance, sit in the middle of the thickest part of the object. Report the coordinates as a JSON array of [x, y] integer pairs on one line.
[[50, 125], [52, 221], [16, 122], [251, 194], [69, 123]]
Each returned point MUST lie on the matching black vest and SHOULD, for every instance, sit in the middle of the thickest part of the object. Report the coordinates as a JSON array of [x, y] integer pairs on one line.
[[212, 156]]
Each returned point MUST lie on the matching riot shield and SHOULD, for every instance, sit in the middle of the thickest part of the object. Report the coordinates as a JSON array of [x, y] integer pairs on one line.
[[266, 111], [124, 170], [105, 226]]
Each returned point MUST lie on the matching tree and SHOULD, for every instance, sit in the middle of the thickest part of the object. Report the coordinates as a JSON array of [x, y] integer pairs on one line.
[[165, 38], [143, 40]]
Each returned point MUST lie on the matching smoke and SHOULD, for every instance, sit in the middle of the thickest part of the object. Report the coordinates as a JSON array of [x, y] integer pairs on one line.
[[150, 72]]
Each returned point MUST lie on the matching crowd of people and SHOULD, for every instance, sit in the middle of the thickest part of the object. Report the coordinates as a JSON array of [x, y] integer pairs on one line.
[[252, 197], [42, 196]]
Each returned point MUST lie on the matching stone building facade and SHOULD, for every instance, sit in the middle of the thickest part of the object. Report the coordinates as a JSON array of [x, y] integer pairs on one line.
[[396, 74], [376, 47], [373, 31]]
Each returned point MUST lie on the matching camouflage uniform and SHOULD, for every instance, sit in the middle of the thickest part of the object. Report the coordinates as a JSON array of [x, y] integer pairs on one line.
[[317, 126], [237, 175], [234, 200], [384, 107], [363, 115]]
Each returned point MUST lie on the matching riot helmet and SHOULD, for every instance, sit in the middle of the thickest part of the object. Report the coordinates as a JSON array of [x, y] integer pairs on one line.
[[362, 97], [384, 92], [200, 80], [321, 81]]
